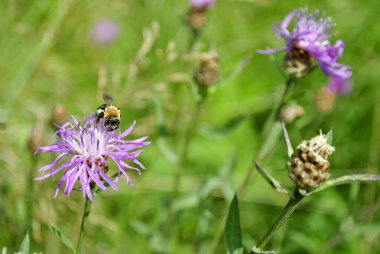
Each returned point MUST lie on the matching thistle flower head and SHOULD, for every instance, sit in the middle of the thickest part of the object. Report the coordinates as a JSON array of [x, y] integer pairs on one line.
[[309, 39], [104, 32], [338, 85], [200, 4], [308, 166], [87, 147]]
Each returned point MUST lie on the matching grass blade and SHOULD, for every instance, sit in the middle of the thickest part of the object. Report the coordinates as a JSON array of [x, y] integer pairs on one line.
[[232, 231], [62, 237], [24, 249]]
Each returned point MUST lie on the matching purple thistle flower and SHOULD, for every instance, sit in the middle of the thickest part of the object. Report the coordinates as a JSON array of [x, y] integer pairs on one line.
[[104, 32], [309, 38], [339, 86], [87, 148], [201, 4]]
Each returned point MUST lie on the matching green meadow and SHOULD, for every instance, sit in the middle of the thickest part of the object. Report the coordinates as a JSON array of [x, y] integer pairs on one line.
[[203, 143]]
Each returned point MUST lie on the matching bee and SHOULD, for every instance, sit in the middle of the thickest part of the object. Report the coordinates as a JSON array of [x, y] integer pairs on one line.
[[109, 112]]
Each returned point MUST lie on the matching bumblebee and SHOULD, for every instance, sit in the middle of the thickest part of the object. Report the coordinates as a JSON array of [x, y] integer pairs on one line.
[[109, 112]]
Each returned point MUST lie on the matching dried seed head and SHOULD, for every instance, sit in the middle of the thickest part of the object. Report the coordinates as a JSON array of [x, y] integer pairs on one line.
[[208, 72], [297, 62], [290, 112], [308, 166], [324, 100], [196, 18]]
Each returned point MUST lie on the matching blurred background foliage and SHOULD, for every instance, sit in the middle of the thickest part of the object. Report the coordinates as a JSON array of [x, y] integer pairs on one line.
[[50, 59]]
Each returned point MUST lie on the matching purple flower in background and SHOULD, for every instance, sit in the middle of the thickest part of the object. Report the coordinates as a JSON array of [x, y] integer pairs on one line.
[[200, 4], [338, 85], [309, 39], [104, 32], [87, 147]]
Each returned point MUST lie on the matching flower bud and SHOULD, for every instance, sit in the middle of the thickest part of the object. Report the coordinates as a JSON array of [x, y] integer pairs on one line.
[[308, 165], [208, 72], [290, 112]]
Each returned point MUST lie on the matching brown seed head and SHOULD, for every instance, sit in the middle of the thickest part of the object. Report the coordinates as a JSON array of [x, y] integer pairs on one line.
[[308, 166], [208, 72], [297, 62], [196, 18]]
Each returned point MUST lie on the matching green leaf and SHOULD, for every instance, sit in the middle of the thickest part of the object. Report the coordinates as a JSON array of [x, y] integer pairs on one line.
[[269, 179], [257, 251], [231, 125], [346, 179], [225, 129], [24, 249], [287, 141], [329, 137], [238, 251], [232, 230], [62, 238]]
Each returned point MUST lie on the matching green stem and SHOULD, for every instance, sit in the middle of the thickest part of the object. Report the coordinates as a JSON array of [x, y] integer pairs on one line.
[[288, 84], [194, 37], [86, 212], [294, 201], [30, 192]]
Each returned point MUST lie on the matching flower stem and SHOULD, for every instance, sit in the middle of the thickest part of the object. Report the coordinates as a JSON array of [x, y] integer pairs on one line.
[[194, 37], [86, 212], [288, 84], [292, 204]]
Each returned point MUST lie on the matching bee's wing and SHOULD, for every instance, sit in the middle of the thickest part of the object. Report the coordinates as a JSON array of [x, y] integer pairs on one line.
[[108, 99]]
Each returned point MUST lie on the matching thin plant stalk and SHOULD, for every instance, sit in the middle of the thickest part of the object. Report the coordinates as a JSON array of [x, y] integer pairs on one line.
[[82, 232], [194, 37], [30, 193], [292, 204]]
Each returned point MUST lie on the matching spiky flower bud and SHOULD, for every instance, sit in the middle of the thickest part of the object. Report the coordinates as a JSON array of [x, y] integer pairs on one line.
[[308, 166], [208, 72], [196, 18]]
